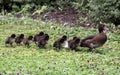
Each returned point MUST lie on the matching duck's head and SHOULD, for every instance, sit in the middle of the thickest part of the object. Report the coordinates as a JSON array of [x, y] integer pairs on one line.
[[30, 37], [41, 33], [102, 28], [13, 36], [21, 36]]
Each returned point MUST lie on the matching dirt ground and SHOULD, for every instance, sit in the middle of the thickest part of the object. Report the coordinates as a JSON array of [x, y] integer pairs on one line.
[[69, 17]]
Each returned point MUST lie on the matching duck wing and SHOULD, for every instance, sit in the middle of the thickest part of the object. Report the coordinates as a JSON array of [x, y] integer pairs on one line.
[[88, 37], [83, 44]]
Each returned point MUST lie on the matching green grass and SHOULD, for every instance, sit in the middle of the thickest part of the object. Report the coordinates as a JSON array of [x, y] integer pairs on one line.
[[36, 61]]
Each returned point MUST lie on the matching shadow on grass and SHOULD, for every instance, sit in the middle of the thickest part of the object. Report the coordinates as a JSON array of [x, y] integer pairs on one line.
[[87, 50]]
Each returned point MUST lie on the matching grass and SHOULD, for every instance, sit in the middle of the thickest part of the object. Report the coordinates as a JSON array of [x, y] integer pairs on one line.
[[36, 61]]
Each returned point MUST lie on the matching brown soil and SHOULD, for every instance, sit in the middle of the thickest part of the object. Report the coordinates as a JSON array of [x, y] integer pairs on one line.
[[67, 17]]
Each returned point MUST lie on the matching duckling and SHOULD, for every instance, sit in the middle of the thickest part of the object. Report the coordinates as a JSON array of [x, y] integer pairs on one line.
[[43, 41], [58, 43], [19, 39], [96, 40], [73, 43], [37, 37], [10, 40], [26, 41]]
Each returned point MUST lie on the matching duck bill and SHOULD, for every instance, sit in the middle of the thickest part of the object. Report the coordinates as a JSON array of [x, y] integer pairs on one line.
[[106, 29]]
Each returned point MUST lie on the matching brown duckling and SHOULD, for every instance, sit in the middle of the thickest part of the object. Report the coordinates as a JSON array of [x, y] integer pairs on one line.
[[43, 41], [37, 37], [10, 40], [96, 40], [19, 39], [73, 43], [26, 41], [58, 43]]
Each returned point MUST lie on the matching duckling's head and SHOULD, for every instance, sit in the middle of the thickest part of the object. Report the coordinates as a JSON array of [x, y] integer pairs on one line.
[[21, 36], [30, 37], [64, 37], [13, 35], [41, 33]]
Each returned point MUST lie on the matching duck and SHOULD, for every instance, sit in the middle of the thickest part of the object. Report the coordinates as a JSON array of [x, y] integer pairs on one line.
[[61, 42], [96, 40], [27, 41], [19, 39], [73, 43]]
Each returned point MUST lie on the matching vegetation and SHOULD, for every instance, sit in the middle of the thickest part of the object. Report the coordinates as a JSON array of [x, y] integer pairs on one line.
[[22, 60], [36, 61], [95, 10]]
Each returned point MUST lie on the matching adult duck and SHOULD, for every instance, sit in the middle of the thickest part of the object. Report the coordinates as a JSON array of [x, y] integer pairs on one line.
[[96, 40]]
